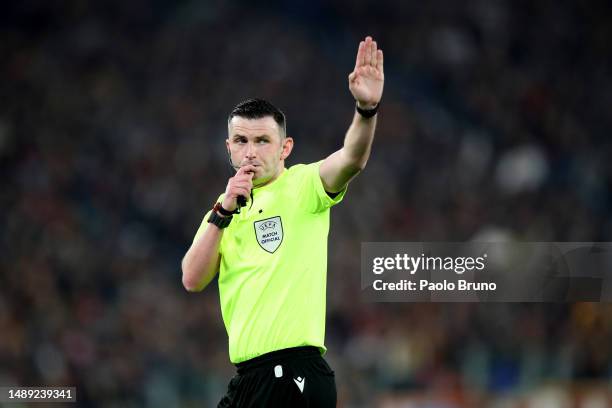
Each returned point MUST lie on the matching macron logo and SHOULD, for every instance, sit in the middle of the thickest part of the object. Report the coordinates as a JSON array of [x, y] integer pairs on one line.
[[300, 383]]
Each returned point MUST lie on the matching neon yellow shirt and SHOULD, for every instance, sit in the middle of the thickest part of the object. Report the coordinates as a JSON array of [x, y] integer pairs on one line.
[[273, 272]]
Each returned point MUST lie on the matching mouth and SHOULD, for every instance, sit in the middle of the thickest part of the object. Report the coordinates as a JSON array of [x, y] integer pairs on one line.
[[257, 166]]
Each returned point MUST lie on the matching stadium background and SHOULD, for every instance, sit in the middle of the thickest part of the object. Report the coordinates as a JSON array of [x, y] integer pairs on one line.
[[495, 124]]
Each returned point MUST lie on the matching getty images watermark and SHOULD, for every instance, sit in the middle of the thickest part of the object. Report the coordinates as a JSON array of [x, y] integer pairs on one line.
[[486, 272]]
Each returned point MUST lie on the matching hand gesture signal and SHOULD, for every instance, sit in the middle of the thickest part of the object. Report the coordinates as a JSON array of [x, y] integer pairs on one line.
[[367, 79]]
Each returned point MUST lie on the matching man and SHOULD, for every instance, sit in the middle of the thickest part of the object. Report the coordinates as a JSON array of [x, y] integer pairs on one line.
[[271, 249]]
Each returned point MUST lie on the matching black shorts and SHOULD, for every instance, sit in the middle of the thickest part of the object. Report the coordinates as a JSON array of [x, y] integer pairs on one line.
[[297, 377]]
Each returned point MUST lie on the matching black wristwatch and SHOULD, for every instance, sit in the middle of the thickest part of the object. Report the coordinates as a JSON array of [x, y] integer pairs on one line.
[[367, 113], [218, 220]]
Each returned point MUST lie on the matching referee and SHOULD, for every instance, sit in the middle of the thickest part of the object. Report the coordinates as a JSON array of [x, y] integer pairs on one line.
[[267, 237]]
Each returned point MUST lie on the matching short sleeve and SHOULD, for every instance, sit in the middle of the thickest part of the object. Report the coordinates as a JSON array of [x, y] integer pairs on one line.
[[202, 227], [312, 192], [204, 222]]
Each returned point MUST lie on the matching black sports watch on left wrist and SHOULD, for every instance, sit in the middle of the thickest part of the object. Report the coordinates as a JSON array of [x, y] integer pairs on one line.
[[218, 220]]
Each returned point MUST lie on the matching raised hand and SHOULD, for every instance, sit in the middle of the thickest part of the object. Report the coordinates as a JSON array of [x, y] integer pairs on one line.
[[367, 79]]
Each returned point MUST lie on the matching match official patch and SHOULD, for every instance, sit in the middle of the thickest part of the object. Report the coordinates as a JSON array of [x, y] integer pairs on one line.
[[269, 233]]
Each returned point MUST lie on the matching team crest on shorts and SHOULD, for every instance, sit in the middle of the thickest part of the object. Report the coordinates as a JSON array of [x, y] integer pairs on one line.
[[269, 233]]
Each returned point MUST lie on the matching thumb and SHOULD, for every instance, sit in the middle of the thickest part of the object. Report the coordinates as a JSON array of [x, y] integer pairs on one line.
[[352, 76]]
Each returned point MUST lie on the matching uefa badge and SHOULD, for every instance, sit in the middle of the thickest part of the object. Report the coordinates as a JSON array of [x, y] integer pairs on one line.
[[269, 233]]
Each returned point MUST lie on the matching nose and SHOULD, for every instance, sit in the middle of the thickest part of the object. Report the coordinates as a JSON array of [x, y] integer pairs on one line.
[[250, 151]]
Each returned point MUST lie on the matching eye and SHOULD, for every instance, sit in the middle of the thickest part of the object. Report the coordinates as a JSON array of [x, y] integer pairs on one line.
[[262, 141]]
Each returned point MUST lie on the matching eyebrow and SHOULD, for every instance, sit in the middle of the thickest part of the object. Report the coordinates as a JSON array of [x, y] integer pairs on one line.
[[264, 136]]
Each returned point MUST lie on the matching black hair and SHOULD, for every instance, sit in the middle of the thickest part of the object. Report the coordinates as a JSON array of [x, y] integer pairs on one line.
[[256, 108]]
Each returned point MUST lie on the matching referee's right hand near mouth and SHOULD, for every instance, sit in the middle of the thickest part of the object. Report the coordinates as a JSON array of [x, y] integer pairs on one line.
[[201, 262], [239, 185]]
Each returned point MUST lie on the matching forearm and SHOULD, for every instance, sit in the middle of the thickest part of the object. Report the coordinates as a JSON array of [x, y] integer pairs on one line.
[[340, 167], [366, 85], [358, 141], [201, 262]]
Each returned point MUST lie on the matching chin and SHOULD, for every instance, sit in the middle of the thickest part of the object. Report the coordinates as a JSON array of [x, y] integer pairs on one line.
[[260, 180]]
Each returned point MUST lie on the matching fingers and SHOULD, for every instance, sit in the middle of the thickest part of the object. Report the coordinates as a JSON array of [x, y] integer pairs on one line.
[[243, 178], [374, 53], [368, 54], [239, 178], [248, 177], [239, 188], [360, 54], [248, 169], [368, 51], [248, 184], [241, 183], [236, 192]]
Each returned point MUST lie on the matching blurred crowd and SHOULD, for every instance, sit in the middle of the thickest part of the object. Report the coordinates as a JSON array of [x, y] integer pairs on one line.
[[493, 126]]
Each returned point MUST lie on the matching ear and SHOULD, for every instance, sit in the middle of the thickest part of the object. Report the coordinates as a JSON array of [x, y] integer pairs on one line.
[[287, 148], [227, 146]]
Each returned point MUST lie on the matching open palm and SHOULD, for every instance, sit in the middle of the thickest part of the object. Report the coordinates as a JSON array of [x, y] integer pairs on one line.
[[367, 79]]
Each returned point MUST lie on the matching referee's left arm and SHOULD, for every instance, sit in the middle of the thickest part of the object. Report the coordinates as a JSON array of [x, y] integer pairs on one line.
[[366, 84]]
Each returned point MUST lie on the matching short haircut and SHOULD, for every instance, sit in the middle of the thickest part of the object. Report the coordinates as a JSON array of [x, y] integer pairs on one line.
[[256, 108]]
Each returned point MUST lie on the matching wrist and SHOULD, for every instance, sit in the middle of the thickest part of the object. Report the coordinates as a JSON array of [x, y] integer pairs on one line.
[[223, 211], [217, 218], [368, 112], [366, 105]]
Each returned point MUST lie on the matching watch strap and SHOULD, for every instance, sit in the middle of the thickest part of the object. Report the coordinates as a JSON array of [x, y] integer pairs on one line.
[[226, 213], [219, 221], [367, 113]]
